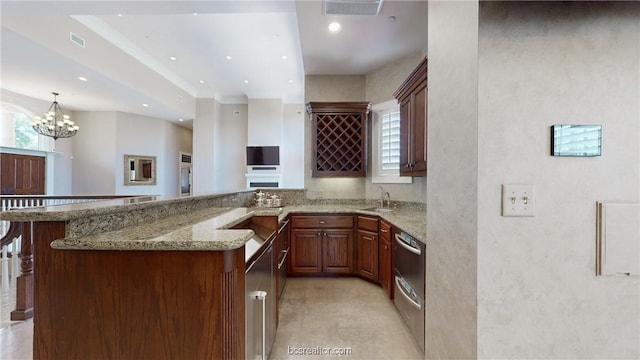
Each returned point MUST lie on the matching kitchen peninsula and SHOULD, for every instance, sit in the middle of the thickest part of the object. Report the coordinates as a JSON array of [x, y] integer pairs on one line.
[[147, 278]]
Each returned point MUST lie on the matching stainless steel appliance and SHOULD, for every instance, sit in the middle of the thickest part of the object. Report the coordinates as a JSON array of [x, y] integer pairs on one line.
[[283, 254], [409, 259], [260, 304]]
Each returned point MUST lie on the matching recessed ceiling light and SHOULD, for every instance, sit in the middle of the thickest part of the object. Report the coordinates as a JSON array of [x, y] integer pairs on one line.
[[145, 105], [391, 19], [335, 27], [246, 81], [120, 15], [195, 14], [82, 78], [228, 57], [284, 57], [181, 120], [173, 58], [201, 81], [290, 81]]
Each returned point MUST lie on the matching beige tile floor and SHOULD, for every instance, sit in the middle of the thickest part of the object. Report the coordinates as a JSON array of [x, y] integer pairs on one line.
[[328, 313], [340, 313]]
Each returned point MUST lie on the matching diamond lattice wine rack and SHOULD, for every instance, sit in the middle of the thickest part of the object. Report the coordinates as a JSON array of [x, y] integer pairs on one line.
[[339, 138]]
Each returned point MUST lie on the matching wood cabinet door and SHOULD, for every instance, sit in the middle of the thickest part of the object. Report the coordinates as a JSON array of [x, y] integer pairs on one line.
[[419, 130], [405, 136], [385, 267], [367, 250], [24, 174], [306, 247], [337, 247]]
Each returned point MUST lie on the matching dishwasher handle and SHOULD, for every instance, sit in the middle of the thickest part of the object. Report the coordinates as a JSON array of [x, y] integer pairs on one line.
[[407, 246], [284, 258], [262, 296], [402, 291]]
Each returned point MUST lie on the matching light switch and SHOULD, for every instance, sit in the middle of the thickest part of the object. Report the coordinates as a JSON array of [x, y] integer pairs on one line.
[[518, 200]]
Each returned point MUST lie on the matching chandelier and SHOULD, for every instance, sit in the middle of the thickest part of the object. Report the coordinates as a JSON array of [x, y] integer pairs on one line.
[[54, 123]]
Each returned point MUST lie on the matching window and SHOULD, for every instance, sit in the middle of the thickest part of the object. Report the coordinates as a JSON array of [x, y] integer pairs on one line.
[[386, 144], [16, 130]]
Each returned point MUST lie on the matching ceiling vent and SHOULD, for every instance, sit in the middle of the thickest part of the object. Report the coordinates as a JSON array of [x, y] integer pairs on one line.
[[76, 39], [185, 158], [352, 7]]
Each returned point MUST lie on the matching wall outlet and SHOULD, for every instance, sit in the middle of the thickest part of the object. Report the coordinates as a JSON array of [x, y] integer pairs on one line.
[[518, 200]]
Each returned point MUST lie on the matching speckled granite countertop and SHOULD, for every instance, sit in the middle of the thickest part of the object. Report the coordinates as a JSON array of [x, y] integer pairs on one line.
[[201, 230]]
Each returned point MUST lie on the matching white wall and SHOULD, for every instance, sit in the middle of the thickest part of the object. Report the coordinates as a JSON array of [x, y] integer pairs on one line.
[[265, 122], [94, 153], [539, 64], [292, 150], [203, 146], [452, 183], [230, 148]]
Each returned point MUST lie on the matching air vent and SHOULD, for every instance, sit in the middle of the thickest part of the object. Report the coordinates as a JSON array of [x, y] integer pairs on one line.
[[352, 7], [185, 158], [76, 39], [236, 112]]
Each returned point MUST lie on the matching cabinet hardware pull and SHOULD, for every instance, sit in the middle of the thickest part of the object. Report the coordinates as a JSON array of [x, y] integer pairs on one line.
[[383, 230], [322, 222], [368, 238], [261, 295]]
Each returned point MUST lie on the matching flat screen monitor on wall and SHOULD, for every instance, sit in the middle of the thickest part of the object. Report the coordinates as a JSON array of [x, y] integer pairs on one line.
[[263, 155]]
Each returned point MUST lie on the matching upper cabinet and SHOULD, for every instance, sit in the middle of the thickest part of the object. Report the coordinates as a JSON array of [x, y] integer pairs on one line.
[[339, 138], [412, 96]]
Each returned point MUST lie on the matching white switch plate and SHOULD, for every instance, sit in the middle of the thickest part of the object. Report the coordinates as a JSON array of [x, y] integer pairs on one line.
[[518, 200]]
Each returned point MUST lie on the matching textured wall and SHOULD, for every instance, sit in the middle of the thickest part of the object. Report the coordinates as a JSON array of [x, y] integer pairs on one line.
[[331, 88], [452, 189], [539, 64], [203, 145], [230, 162]]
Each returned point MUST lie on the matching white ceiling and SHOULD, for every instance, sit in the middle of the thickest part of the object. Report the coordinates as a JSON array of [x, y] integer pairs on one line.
[[127, 61]]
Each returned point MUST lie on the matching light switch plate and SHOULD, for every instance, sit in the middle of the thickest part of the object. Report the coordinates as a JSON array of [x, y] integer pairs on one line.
[[518, 200]]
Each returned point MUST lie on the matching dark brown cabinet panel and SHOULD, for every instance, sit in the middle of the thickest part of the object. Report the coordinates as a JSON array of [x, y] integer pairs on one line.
[[23, 174], [321, 244], [412, 96], [337, 251], [306, 250], [385, 265], [367, 249], [338, 138]]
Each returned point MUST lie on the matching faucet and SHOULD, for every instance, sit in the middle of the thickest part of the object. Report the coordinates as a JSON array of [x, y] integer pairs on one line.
[[381, 201], [388, 200]]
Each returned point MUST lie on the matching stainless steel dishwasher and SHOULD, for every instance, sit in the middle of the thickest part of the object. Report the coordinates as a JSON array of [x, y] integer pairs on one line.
[[409, 259], [260, 305]]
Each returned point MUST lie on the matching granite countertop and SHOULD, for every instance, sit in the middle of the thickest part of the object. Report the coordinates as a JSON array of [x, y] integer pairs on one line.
[[202, 230]]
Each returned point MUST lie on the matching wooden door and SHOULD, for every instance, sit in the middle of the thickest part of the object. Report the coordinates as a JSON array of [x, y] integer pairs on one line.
[[23, 173], [305, 251], [337, 245], [385, 270], [367, 250]]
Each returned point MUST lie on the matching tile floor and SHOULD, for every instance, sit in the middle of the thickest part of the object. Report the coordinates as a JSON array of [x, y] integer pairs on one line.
[[329, 313], [340, 313]]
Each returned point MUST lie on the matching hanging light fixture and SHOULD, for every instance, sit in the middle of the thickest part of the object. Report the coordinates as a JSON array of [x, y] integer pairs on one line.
[[54, 123]]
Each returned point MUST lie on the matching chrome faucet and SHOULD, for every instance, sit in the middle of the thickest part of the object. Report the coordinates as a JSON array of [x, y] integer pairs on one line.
[[381, 201], [388, 200]]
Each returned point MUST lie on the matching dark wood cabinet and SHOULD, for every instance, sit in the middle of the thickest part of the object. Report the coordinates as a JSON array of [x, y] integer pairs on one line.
[[321, 244], [385, 263], [338, 138], [412, 96], [337, 254], [306, 250], [367, 248]]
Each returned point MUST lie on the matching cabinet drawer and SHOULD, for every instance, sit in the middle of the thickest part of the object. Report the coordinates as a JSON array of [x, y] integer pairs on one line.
[[368, 223], [385, 231], [322, 221]]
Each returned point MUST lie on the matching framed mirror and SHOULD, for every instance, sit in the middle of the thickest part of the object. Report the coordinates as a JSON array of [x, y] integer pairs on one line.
[[139, 170]]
